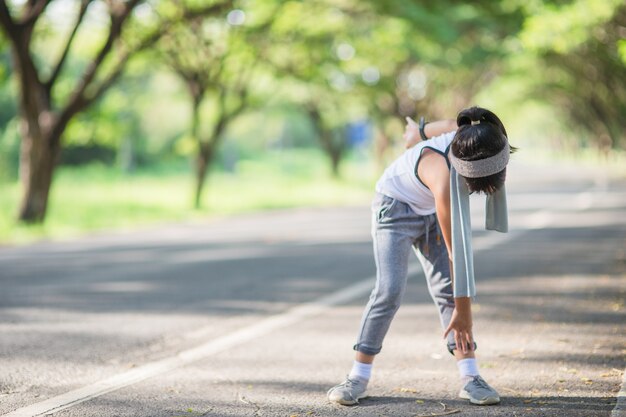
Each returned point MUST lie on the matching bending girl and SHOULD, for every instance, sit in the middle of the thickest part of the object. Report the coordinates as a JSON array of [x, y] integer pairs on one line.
[[412, 210]]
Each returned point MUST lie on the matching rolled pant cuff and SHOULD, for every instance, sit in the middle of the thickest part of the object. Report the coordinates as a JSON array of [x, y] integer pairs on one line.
[[452, 347], [367, 350]]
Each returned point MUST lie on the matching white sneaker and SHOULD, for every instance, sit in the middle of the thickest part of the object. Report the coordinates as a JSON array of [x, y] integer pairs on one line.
[[349, 392], [478, 391]]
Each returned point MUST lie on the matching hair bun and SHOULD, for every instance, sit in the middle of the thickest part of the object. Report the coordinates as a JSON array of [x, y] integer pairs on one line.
[[463, 120], [478, 115]]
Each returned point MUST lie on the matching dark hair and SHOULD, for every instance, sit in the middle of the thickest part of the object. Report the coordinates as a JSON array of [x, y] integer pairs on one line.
[[479, 141]]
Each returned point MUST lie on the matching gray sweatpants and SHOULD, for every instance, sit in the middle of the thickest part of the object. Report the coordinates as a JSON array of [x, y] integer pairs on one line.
[[397, 231]]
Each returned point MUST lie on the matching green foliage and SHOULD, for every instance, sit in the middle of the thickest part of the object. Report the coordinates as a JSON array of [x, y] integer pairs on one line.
[[566, 28], [114, 122], [579, 67]]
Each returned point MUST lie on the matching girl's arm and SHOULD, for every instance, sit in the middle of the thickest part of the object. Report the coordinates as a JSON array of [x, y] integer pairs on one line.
[[412, 134], [434, 171]]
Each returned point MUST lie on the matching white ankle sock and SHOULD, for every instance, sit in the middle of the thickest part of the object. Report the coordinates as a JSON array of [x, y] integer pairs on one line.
[[360, 370], [468, 369]]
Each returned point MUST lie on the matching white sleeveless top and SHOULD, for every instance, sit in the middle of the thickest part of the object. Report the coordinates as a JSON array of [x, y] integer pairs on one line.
[[400, 180]]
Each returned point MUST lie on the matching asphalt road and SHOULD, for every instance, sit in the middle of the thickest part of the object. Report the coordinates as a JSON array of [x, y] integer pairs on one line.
[[256, 315]]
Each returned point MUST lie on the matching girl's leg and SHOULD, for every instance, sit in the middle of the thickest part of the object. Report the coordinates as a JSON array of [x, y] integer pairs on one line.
[[364, 358], [433, 256], [394, 230]]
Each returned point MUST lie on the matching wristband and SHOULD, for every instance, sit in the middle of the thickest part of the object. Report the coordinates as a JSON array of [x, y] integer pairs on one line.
[[422, 124]]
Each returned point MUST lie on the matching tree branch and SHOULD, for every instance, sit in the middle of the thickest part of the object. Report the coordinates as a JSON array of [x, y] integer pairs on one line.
[[145, 44], [188, 14], [118, 16], [7, 22], [19, 39], [34, 10], [119, 13], [57, 68], [78, 100]]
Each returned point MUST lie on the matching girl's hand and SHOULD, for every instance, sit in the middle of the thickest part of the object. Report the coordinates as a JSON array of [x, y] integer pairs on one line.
[[461, 324], [411, 133]]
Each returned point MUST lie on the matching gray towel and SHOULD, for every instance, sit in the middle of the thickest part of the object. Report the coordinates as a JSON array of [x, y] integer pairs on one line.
[[462, 254]]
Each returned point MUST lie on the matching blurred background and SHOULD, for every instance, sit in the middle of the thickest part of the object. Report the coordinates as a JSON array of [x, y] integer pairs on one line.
[[117, 114]]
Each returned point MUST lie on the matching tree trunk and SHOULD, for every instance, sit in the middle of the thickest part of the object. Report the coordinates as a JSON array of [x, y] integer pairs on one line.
[[206, 152], [126, 155], [40, 143], [37, 162], [197, 94], [202, 163], [381, 145], [333, 149], [335, 160]]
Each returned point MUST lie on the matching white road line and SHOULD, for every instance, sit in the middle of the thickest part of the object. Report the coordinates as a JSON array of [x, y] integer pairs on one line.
[[264, 327], [620, 407], [202, 351]]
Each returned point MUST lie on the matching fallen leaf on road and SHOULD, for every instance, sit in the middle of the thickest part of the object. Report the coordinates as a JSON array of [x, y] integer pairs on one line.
[[444, 412], [587, 381], [419, 401], [247, 401], [409, 390], [612, 372]]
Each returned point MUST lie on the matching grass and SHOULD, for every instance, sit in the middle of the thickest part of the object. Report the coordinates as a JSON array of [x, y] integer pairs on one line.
[[97, 198]]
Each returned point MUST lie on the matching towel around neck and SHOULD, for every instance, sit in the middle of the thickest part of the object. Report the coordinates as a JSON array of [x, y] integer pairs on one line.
[[462, 254]]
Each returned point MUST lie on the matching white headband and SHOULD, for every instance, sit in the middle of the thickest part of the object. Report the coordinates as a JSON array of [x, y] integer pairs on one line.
[[481, 167]]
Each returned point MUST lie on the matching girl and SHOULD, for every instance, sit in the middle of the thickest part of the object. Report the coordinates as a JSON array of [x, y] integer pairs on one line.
[[411, 211]]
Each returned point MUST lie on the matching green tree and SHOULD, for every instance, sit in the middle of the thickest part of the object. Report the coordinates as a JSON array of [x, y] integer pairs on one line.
[[216, 60], [309, 48], [46, 112], [579, 56]]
